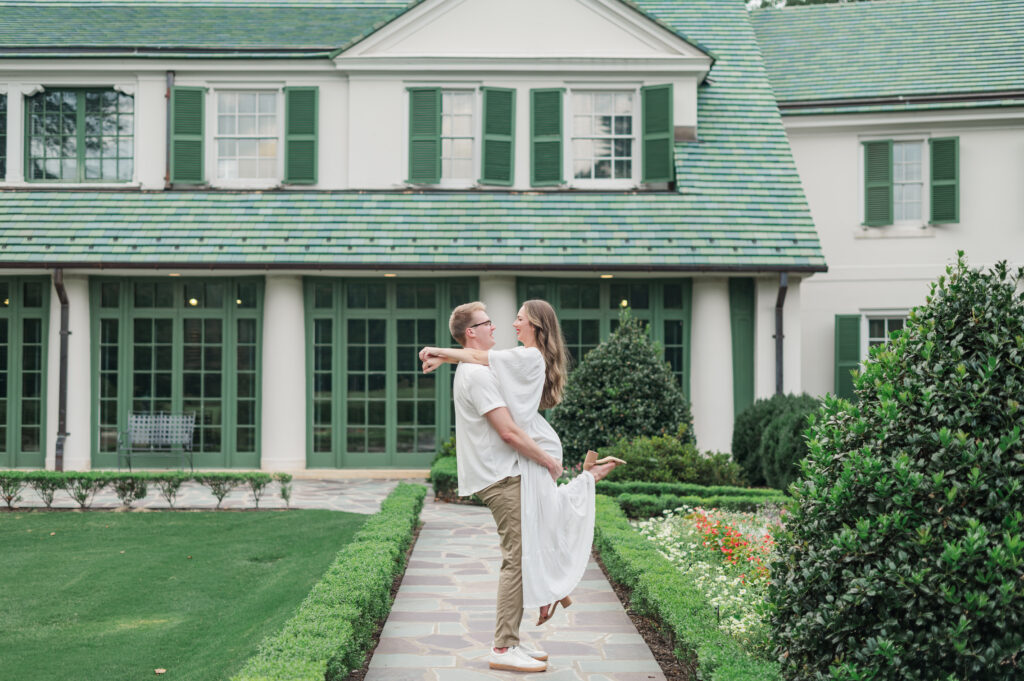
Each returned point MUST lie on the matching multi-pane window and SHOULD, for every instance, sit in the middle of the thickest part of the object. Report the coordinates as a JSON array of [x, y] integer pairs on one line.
[[879, 329], [23, 321], [80, 135], [247, 135], [457, 134], [588, 312], [370, 403], [180, 346], [3, 136], [602, 135], [908, 180]]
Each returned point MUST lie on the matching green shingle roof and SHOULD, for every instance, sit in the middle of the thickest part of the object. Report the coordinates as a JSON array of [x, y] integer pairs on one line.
[[739, 205], [559, 230], [894, 48], [168, 26]]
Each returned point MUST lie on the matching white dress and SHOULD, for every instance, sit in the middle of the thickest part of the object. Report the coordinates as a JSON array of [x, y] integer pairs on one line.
[[557, 520]]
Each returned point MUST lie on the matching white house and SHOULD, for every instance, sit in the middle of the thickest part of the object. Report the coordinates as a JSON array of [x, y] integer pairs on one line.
[[256, 211], [906, 119]]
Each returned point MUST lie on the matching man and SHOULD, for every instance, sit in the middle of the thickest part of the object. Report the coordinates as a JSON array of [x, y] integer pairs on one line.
[[487, 441]]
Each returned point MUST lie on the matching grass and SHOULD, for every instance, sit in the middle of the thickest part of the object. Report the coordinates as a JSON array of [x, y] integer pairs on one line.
[[115, 596]]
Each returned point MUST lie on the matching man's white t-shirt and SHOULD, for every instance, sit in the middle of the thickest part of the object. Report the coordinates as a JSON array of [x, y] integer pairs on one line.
[[482, 456]]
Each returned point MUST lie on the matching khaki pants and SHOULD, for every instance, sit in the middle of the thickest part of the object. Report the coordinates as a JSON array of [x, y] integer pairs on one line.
[[502, 498]]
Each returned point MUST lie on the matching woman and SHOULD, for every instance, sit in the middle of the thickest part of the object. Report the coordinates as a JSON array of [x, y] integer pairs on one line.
[[557, 521]]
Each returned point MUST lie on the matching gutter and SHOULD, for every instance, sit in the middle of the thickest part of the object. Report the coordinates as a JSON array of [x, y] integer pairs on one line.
[[62, 390], [900, 99], [780, 301]]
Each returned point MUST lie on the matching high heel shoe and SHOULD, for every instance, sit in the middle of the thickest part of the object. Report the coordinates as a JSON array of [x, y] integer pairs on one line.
[[592, 460], [566, 602]]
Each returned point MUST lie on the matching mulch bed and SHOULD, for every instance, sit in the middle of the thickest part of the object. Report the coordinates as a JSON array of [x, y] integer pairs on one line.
[[358, 674], [672, 667]]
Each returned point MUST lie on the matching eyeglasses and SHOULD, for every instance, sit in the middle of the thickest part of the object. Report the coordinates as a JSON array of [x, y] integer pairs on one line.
[[487, 321]]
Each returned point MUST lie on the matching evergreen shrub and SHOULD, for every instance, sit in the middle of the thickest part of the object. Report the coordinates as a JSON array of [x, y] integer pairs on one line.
[[668, 458], [767, 439], [622, 389], [904, 558]]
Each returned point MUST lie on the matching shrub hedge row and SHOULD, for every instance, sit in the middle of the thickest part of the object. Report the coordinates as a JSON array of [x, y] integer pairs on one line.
[[130, 487], [648, 505], [661, 591], [444, 476], [330, 633], [612, 488]]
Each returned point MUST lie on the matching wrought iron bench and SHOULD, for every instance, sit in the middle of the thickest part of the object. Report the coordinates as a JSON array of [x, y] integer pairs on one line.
[[157, 433]]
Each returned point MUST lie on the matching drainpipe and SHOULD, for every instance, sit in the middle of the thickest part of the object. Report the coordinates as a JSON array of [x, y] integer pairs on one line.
[[170, 122], [780, 301], [62, 391]]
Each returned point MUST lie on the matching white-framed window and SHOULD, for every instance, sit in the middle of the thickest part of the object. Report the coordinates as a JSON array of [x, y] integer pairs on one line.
[[458, 136], [604, 149], [880, 325], [247, 140], [908, 180]]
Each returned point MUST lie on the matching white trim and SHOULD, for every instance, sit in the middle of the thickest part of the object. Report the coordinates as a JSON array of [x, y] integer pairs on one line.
[[866, 315], [890, 119], [568, 160], [30, 89]]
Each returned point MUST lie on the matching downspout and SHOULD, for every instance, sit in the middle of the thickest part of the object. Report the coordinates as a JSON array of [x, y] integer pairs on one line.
[[780, 301], [62, 390], [167, 150]]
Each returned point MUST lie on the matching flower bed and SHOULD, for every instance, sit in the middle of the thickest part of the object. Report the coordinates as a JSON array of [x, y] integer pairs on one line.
[[726, 555]]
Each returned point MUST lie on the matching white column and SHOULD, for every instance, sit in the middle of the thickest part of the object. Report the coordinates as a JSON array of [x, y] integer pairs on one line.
[[283, 421], [711, 364], [498, 293], [77, 456]]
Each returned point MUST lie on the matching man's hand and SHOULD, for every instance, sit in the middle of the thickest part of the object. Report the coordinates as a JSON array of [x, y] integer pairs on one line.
[[431, 363], [555, 469]]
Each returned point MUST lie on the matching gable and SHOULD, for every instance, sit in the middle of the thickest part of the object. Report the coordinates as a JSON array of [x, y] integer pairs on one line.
[[524, 28]]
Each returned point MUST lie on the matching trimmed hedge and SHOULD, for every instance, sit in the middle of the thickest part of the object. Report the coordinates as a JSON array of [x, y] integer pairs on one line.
[[83, 486], [648, 505], [661, 591], [612, 488], [333, 628], [444, 476]]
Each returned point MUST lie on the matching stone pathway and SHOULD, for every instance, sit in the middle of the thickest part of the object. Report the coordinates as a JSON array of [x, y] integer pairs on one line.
[[353, 496], [442, 621]]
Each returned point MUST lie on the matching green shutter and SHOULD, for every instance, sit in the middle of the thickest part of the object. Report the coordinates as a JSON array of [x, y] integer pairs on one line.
[[945, 190], [878, 183], [187, 135], [741, 314], [657, 133], [847, 351], [546, 137], [425, 135], [498, 163], [300, 132]]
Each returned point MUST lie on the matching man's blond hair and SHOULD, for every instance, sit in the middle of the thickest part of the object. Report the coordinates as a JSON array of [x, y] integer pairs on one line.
[[462, 318]]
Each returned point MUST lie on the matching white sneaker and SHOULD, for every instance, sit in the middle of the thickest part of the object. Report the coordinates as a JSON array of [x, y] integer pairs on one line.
[[535, 654], [515, 660]]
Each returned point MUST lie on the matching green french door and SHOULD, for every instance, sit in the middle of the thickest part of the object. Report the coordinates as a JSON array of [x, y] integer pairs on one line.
[[24, 316], [179, 345], [588, 312], [370, 406]]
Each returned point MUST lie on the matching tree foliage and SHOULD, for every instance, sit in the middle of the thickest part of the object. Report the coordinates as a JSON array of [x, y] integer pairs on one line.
[[904, 558]]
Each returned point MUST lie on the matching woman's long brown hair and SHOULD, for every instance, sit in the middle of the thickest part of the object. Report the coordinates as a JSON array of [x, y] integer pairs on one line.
[[551, 344]]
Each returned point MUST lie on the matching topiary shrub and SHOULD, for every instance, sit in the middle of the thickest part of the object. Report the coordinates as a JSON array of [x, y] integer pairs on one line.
[[904, 558], [757, 454], [667, 458], [622, 389]]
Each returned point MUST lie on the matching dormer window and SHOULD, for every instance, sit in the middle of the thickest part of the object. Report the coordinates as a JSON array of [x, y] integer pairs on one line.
[[602, 136], [247, 135]]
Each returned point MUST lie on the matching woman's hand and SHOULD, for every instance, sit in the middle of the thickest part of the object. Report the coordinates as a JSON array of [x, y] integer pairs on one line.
[[428, 352], [431, 363]]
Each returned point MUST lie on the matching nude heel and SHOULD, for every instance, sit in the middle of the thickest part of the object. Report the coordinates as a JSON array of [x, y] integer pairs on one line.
[[566, 602]]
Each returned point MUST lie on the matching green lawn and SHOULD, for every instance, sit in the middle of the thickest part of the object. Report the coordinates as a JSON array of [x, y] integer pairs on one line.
[[113, 596]]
